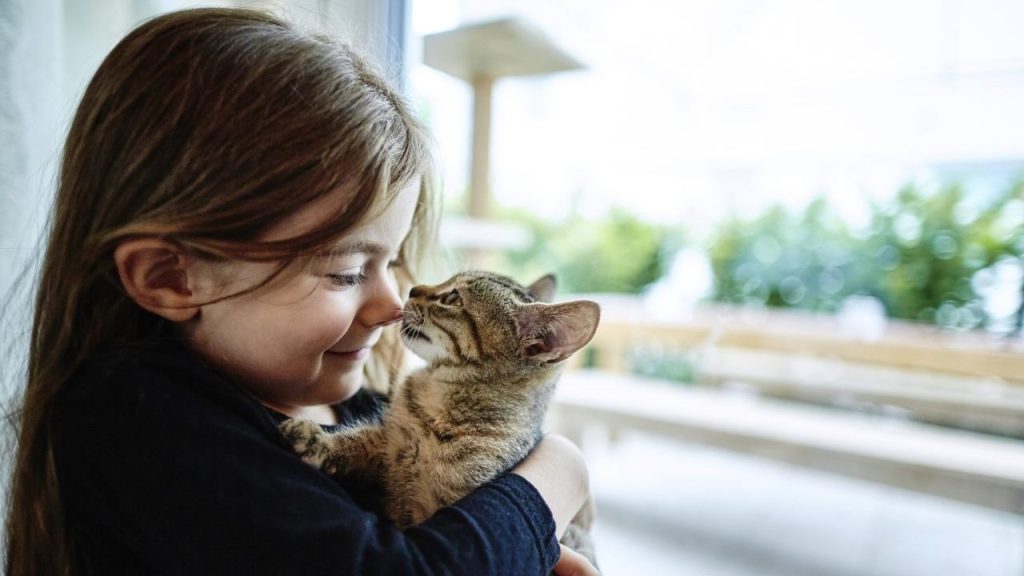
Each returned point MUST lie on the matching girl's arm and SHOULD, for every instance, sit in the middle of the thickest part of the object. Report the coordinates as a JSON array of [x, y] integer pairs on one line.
[[557, 470]]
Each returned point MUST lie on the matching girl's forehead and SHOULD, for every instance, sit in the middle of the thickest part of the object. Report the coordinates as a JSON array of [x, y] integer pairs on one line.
[[395, 214], [308, 217], [383, 231]]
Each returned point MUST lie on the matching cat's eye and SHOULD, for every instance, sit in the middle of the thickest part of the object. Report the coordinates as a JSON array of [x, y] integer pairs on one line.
[[451, 299]]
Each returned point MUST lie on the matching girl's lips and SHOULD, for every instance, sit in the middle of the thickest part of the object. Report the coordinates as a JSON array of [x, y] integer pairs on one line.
[[353, 355]]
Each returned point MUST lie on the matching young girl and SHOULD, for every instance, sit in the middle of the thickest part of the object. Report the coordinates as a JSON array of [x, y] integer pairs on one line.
[[239, 211]]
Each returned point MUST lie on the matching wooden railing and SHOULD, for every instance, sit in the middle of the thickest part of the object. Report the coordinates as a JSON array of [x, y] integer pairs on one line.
[[965, 380], [913, 407]]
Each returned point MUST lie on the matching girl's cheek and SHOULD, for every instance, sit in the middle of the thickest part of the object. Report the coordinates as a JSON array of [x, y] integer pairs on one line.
[[342, 303], [337, 314]]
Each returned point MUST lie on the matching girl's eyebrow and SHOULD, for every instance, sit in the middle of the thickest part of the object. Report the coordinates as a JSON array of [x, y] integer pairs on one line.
[[359, 247]]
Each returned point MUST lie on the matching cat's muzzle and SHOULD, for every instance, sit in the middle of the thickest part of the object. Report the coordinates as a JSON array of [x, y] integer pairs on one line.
[[411, 322]]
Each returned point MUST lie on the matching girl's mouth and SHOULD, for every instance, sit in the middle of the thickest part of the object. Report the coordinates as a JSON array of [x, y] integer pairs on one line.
[[353, 355]]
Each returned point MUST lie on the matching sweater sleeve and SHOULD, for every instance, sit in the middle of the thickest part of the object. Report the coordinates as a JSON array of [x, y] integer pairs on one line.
[[159, 478]]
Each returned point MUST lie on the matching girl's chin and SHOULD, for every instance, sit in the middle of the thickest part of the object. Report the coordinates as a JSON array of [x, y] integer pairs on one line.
[[347, 385]]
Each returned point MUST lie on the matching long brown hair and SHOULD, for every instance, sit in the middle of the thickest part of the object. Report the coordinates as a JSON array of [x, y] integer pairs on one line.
[[203, 127]]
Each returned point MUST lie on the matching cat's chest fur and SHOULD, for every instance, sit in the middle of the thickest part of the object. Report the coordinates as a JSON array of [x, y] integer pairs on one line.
[[443, 439]]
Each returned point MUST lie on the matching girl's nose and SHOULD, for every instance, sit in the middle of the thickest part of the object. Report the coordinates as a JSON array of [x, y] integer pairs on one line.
[[396, 315], [383, 305]]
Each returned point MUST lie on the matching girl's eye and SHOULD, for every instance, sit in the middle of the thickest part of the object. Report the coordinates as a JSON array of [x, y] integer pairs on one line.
[[451, 299], [347, 279]]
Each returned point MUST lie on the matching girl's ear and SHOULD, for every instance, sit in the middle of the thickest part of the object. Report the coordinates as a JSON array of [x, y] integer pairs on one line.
[[553, 332], [155, 274]]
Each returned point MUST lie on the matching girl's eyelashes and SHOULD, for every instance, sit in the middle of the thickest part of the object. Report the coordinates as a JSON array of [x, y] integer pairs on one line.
[[347, 279], [351, 278]]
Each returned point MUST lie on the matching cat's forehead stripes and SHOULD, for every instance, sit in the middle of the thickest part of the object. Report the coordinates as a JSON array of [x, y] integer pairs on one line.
[[486, 282]]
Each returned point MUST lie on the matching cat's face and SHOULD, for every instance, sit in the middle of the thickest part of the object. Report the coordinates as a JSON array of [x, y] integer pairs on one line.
[[475, 317]]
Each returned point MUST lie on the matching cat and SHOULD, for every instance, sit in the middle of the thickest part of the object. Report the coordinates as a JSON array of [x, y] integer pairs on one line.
[[494, 350]]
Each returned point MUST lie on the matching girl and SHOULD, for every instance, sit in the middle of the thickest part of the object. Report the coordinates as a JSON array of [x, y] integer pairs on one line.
[[239, 212]]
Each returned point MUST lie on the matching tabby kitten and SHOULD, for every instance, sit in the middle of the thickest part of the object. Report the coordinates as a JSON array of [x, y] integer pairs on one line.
[[494, 351]]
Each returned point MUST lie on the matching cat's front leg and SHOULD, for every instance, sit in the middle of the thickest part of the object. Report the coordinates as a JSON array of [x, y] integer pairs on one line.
[[307, 439], [357, 450]]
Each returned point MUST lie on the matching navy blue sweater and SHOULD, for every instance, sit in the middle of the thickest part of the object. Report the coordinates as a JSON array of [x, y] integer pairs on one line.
[[165, 467]]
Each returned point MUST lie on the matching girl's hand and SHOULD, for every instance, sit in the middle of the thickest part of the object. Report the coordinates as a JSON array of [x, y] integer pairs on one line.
[[572, 563]]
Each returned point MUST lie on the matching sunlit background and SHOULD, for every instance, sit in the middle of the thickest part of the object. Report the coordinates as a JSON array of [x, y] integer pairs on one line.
[[804, 220]]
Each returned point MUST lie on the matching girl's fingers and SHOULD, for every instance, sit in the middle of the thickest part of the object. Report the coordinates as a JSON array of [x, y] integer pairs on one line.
[[572, 563]]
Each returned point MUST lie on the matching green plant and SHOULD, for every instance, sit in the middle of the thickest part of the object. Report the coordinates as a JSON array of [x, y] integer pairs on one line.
[[924, 251], [920, 255], [781, 259], [619, 253]]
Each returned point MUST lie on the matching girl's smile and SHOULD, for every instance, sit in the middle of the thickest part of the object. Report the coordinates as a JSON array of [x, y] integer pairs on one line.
[[357, 355]]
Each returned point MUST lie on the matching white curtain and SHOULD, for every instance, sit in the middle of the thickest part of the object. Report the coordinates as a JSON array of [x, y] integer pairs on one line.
[[31, 45]]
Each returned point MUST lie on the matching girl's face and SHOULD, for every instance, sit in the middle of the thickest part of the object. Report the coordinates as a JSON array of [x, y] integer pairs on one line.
[[302, 340]]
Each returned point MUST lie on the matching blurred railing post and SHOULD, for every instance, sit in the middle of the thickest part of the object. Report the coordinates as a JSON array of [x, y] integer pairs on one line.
[[480, 54]]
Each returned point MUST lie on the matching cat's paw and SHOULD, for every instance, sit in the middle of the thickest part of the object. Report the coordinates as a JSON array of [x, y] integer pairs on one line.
[[308, 440]]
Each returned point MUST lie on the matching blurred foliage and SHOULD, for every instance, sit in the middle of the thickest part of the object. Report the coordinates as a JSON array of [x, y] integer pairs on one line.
[[920, 255], [676, 365], [784, 259], [925, 255], [620, 253]]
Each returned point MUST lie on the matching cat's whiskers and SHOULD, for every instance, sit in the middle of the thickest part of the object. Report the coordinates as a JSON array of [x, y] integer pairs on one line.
[[408, 326], [406, 330]]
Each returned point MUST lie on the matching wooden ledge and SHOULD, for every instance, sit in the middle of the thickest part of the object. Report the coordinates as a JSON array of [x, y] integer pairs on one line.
[[970, 467]]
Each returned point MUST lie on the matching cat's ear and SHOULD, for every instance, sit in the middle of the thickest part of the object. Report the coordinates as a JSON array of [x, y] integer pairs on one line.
[[543, 289], [553, 332]]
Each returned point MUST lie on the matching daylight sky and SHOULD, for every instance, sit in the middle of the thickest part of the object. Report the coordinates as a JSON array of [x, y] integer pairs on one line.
[[690, 110]]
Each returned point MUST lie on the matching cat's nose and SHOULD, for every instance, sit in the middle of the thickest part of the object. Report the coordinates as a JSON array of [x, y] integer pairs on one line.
[[418, 291]]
